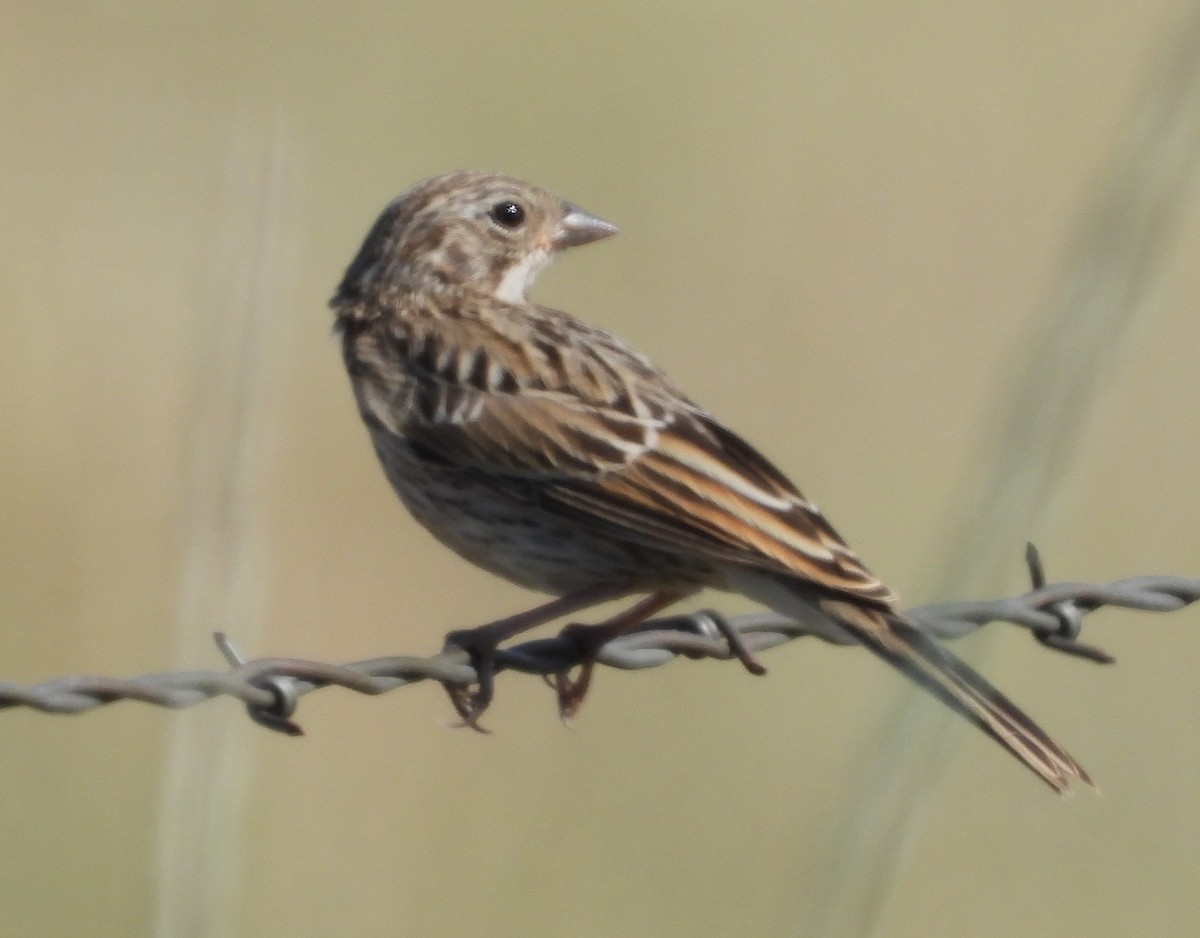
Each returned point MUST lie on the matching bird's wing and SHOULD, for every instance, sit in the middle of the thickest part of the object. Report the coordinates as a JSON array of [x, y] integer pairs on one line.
[[712, 484], [591, 429]]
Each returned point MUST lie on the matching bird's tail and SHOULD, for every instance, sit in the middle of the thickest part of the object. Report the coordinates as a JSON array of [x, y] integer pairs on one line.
[[898, 642]]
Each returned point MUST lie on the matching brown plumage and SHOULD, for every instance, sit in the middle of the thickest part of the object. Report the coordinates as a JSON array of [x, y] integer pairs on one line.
[[550, 453]]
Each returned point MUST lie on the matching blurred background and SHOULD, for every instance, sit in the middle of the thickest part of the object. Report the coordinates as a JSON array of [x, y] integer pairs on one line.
[[936, 259]]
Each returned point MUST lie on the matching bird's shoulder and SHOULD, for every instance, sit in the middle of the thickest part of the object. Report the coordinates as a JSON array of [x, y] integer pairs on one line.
[[478, 381], [477, 343]]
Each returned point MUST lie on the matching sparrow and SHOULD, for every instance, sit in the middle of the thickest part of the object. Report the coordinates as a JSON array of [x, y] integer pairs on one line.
[[551, 453]]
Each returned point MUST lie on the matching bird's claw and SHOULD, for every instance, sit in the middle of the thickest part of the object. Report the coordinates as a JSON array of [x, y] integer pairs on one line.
[[470, 702], [571, 691]]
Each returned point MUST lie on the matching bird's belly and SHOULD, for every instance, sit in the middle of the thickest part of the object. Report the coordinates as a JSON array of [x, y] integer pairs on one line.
[[516, 539]]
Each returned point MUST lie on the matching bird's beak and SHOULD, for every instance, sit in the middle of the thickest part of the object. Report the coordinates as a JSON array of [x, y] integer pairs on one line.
[[579, 227]]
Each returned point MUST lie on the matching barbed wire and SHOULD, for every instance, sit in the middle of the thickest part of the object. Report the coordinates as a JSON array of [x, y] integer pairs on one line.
[[271, 688]]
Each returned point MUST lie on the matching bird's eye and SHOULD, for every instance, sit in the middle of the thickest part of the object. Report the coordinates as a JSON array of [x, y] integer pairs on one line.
[[507, 214]]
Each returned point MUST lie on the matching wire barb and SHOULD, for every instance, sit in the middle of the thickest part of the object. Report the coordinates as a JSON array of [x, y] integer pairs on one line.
[[271, 688], [276, 715], [1069, 613]]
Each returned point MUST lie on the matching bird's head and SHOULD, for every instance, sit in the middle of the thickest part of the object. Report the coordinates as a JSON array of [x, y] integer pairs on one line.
[[481, 231]]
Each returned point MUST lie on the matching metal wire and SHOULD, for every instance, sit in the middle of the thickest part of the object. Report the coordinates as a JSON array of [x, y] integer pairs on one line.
[[272, 687]]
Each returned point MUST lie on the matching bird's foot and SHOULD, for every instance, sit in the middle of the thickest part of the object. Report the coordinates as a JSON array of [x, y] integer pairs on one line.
[[590, 640], [483, 642], [471, 701]]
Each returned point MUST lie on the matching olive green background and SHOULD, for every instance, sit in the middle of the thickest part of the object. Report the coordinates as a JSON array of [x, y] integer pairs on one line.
[[847, 228]]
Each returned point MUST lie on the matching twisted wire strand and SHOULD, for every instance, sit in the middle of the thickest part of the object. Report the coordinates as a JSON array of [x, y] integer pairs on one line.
[[270, 688]]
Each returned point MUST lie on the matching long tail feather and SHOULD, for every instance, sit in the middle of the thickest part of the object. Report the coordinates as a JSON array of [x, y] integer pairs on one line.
[[919, 656]]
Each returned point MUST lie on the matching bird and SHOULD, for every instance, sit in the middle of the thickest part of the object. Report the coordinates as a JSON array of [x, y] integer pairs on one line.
[[549, 452]]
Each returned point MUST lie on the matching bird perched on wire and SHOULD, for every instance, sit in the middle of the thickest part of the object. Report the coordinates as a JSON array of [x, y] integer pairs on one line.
[[550, 453]]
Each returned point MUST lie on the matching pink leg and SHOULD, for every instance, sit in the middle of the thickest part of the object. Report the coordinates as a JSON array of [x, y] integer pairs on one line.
[[481, 643], [592, 638]]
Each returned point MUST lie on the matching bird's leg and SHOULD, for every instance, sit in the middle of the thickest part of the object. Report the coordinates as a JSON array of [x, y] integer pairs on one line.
[[592, 638], [480, 644]]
